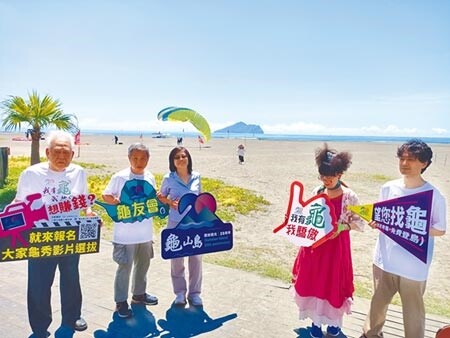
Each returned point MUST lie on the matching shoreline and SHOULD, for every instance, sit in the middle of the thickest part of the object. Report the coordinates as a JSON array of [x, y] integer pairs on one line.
[[260, 137]]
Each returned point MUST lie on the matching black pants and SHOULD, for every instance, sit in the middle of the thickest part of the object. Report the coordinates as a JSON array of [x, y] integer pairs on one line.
[[41, 273]]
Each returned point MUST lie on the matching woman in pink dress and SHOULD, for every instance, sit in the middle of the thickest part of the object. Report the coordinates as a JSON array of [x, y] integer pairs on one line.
[[323, 276]]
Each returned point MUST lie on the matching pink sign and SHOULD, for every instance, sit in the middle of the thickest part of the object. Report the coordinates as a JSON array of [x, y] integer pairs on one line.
[[34, 230], [19, 217]]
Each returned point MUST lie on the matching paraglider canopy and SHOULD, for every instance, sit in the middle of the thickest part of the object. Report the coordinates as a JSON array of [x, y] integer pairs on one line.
[[186, 115]]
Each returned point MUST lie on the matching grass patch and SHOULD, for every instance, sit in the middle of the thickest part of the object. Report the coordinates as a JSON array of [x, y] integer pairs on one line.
[[15, 166], [263, 268], [437, 305], [232, 200], [381, 178], [87, 165], [375, 178], [433, 304]]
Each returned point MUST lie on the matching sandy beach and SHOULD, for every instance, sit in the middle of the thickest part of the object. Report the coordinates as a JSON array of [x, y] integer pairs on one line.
[[269, 169]]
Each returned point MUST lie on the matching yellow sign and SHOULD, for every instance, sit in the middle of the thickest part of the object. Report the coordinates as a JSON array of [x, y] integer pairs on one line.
[[364, 211]]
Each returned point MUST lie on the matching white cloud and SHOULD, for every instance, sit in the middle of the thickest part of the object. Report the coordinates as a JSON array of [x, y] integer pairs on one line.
[[295, 128], [439, 131], [319, 129], [391, 130], [303, 128]]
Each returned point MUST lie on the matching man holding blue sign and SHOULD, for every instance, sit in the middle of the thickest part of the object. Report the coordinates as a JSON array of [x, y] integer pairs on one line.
[[395, 268], [132, 193]]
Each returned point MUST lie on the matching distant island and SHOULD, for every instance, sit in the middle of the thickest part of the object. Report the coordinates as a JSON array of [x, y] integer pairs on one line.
[[242, 128]]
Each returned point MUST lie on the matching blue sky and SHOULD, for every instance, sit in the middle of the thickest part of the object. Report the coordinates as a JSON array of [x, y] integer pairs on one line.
[[297, 67]]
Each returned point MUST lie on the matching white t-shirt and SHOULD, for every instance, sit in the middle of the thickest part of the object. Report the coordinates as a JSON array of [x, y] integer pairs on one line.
[[390, 256], [135, 232], [54, 186]]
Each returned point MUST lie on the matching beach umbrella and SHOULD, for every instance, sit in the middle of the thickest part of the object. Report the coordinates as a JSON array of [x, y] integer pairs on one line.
[[186, 115]]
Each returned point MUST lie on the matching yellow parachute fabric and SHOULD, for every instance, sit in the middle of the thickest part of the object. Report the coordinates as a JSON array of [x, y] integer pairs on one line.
[[186, 115]]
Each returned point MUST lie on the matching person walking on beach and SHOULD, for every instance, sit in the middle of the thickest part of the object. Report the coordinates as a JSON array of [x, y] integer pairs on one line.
[[241, 153], [116, 139], [323, 276], [179, 181], [133, 242], [395, 270], [56, 180]]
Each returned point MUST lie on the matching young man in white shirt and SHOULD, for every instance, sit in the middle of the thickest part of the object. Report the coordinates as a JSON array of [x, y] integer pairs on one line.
[[396, 270]]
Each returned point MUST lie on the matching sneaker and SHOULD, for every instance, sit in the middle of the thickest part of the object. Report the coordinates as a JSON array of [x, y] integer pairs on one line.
[[180, 300], [316, 331], [145, 299], [195, 300], [333, 331], [80, 325], [123, 310]]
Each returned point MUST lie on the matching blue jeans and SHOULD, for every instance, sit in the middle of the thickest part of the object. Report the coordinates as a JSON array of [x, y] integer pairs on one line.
[[41, 273]]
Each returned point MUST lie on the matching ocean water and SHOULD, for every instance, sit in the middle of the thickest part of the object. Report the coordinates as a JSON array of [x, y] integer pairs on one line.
[[280, 137], [271, 137]]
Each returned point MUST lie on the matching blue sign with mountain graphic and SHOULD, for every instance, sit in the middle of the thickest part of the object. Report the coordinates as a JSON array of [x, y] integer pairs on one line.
[[138, 201], [200, 231]]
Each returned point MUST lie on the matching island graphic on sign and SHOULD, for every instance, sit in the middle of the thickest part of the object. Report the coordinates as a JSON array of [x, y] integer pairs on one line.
[[138, 201], [307, 223], [200, 231], [406, 220]]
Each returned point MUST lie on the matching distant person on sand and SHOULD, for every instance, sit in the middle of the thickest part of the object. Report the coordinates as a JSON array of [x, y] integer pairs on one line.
[[323, 276], [395, 270], [179, 181], [116, 139], [133, 242], [241, 153], [200, 141], [179, 141]]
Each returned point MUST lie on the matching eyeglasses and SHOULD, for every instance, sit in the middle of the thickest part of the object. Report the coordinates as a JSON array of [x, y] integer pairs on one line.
[[325, 178], [179, 157]]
